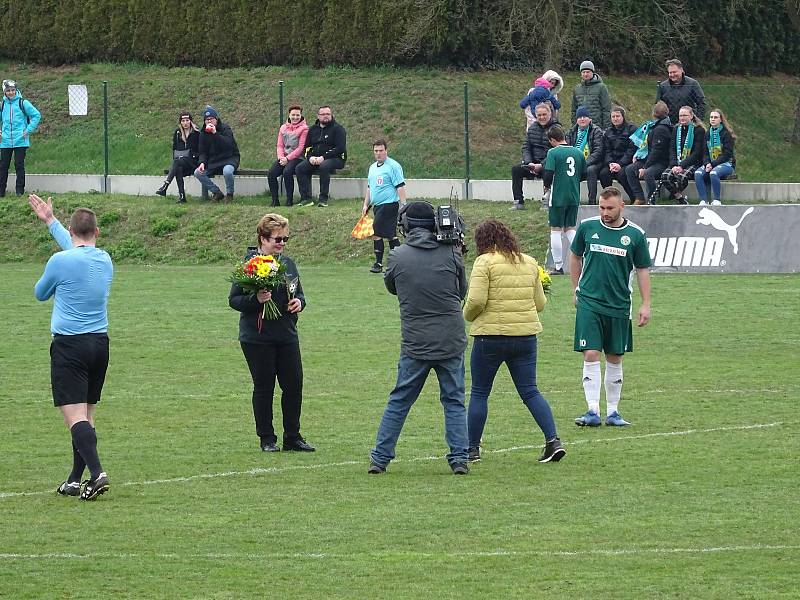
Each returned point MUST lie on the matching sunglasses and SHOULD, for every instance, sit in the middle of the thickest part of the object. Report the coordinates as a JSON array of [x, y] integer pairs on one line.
[[279, 239]]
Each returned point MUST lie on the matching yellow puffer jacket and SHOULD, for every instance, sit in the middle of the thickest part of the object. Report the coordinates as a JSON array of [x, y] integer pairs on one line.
[[504, 298]]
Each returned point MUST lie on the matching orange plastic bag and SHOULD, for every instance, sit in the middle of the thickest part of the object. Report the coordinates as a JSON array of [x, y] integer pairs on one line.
[[363, 228]]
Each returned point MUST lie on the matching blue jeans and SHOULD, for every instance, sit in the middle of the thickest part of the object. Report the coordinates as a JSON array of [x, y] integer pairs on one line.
[[411, 376], [714, 176], [519, 354], [208, 183]]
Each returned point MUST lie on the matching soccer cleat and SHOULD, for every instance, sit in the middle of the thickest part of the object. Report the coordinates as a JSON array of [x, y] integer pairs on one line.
[[376, 469], [70, 488], [616, 420], [460, 468], [298, 445], [716, 203], [682, 200], [553, 451], [94, 487], [376, 268], [473, 453], [556, 271], [518, 206], [702, 203], [589, 418]]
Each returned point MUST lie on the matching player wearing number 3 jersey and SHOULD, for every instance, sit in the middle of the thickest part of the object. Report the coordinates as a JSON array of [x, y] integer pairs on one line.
[[563, 170]]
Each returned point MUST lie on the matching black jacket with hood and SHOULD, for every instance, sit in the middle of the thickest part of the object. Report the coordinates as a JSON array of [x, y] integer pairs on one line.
[[218, 149], [328, 142]]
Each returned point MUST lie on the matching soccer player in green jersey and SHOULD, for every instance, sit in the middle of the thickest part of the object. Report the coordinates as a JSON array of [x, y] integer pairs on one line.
[[563, 170], [605, 253]]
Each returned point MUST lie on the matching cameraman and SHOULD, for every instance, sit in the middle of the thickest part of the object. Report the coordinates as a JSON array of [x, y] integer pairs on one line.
[[429, 281]]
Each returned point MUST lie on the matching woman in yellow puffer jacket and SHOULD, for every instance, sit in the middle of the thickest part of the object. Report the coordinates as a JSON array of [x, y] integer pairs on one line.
[[503, 304]]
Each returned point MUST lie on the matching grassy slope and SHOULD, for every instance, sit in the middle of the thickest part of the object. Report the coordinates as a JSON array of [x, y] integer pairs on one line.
[[419, 111]]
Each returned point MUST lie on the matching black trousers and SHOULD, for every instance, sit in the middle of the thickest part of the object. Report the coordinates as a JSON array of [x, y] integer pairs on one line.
[[288, 179], [305, 170], [181, 167], [266, 363], [518, 173], [650, 175], [606, 178], [19, 168]]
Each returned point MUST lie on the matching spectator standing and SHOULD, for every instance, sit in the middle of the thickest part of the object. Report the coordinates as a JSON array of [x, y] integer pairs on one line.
[[503, 305], [592, 93], [719, 158], [289, 150], [588, 138], [385, 191], [325, 153], [656, 154], [605, 253], [185, 143], [429, 281], [538, 94], [686, 154], [79, 278], [20, 119], [680, 90], [219, 154], [618, 152], [272, 347], [534, 152]]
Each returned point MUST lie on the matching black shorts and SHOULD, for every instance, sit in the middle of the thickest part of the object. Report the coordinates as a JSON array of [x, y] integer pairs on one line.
[[78, 365], [385, 222]]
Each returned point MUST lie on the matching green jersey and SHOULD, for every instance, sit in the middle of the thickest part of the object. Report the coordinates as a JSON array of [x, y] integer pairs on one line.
[[610, 256], [567, 164]]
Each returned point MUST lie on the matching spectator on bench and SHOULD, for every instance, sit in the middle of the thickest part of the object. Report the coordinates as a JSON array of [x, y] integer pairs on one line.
[[588, 138], [686, 154], [679, 90], [325, 153], [592, 93], [185, 142], [537, 95], [291, 143], [218, 154], [652, 158], [618, 152], [534, 151], [720, 160]]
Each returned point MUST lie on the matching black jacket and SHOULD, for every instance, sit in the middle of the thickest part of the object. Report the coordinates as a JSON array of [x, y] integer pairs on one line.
[[596, 150], [282, 330], [618, 145], [727, 149], [430, 282], [695, 156], [192, 143], [218, 149], [536, 145], [686, 93], [328, 142], [659, 139]]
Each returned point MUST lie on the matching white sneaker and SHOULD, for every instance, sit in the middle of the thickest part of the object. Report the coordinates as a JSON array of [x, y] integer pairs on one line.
[[702, 203], [716, 203]]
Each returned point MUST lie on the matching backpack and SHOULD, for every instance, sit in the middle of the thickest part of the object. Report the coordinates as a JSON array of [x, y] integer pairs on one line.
[[21, 105]]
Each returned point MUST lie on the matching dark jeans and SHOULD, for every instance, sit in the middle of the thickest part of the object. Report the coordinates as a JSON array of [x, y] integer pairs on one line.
[[592, 175], [519, 354], [518, 173], [266, 362], [606, 178], [181, 167], [19, 168], [288, 180], [651, 174], [305, 170]]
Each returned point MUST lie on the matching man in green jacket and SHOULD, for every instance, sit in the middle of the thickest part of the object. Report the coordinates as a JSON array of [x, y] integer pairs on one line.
[[592, 93]]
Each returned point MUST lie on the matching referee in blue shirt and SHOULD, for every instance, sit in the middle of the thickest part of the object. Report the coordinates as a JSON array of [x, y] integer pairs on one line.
[[79, 278]]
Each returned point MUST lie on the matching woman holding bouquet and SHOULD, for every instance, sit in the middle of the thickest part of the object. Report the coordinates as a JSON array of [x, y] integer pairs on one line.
[[503, 303], [271, 347]]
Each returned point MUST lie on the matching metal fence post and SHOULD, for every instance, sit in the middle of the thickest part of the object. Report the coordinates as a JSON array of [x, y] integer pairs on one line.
[[105, 136], [281, 189], [466, 194]]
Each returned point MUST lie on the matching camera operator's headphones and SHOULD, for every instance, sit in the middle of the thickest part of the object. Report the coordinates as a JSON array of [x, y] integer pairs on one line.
[[406, 223]]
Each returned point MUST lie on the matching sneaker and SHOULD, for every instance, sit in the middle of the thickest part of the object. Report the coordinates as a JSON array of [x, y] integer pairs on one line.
[[376, 268], [217, 196], [546, 200], [682, 200], [553, 451], [94, 487], [270, 447], [460, 468], [592, 419], [473, 454], [518, 206], [298, 445], [616, 420], [702, 203], [376, 469], [556, 271], [70, 488], [322, 204], [306, 202], [181, 199], [716, 203], [228, 198]]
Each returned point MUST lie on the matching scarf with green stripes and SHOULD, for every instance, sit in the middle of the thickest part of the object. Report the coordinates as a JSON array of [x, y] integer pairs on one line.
[[714, 142], [683, 148]]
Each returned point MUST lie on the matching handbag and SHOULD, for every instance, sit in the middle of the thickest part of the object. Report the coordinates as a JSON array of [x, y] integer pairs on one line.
[[181, 153], [363, 228]]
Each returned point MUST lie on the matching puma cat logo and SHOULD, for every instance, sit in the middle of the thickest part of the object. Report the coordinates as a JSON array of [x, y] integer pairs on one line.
[[709, 217]]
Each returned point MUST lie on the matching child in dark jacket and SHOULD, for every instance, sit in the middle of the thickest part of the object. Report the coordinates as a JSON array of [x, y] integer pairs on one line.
[[537, 95]]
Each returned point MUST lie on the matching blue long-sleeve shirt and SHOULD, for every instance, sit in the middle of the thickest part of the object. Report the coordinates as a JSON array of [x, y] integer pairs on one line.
[[80, 278]]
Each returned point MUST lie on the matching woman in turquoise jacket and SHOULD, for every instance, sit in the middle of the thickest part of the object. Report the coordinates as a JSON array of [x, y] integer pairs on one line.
[[19, 120]]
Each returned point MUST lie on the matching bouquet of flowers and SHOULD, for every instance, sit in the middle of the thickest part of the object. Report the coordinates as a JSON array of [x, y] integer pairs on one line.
[[544, 277], [262, 272]]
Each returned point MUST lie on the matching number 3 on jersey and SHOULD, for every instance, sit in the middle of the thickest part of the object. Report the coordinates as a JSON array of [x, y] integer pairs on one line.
[[570, 166]]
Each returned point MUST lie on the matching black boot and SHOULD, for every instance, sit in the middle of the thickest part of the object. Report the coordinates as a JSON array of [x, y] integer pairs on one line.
[[275, 203], [181, 198], [162, 191]]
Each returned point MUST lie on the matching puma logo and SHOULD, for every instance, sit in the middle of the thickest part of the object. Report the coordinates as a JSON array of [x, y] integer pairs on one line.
[[709, 217]]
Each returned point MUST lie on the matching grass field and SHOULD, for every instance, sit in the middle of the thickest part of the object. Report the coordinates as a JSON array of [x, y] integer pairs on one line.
[[698, 499]]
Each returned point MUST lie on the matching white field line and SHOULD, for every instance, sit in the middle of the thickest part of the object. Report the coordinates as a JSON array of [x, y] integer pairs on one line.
[[394, 554], [269, 470]]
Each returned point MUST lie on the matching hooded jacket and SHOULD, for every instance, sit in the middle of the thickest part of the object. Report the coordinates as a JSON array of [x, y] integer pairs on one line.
[[536, 145], [659, 139], [292, 140], [328, 142], [191, 144], [685, 93], [596, 148], [727, 149], [15, 122], [618, 145], [218, 149], [593, 94], [429, 281]]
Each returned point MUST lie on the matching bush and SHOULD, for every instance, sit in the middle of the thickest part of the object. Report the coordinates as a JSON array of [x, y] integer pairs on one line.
[[164, 226]]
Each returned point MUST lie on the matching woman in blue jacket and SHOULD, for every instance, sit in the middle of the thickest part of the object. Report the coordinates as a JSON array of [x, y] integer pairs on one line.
[[19, 119]]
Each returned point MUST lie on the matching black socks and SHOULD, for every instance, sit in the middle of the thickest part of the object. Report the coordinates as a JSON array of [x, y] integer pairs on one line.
[[84, 440], [378, 245]]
